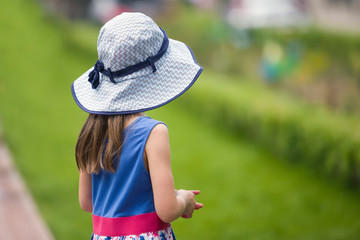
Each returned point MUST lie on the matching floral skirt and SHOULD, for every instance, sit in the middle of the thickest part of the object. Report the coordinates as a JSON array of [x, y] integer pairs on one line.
[[166, 234]]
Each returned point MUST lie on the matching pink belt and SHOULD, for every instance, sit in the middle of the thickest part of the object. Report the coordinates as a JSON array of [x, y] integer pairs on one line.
[[123, 226]]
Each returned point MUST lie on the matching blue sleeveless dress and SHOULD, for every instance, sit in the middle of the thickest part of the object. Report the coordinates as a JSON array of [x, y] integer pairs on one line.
[[123, 202]]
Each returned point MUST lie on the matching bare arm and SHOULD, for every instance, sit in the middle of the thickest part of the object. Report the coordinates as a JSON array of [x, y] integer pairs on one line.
[[169, 203], [85, 191]]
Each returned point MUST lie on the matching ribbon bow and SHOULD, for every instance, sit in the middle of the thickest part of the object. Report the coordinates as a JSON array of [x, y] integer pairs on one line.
[[94, 75]]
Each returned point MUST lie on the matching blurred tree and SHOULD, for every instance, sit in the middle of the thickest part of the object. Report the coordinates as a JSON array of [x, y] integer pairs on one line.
[[68, 8]]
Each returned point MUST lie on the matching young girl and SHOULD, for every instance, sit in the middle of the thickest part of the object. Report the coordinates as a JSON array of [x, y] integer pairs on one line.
[[124, 156]]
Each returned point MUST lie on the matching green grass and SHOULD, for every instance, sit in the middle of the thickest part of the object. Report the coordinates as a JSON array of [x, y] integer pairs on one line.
[[40, 121], [247, 192]]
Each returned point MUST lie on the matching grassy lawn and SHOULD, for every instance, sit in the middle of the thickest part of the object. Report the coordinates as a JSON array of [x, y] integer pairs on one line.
[[247, 193]]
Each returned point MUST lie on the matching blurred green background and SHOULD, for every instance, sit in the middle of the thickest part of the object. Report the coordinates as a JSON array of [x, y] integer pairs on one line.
[[269, 133]]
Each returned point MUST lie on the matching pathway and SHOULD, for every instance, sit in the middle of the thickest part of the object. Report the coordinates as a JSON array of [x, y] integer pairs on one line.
[[19, 217]]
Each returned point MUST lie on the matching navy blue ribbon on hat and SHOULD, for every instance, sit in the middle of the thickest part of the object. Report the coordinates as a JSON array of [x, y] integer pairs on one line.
[[94, 75]]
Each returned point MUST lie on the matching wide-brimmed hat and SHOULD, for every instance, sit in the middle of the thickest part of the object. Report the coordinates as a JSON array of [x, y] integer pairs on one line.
[[138, 69]]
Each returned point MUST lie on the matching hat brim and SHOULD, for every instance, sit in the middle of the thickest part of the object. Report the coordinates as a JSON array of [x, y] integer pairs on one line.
[[177, 71]]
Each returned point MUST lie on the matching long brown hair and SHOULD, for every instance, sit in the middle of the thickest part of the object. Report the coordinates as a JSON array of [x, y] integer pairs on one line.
[[99, 143]]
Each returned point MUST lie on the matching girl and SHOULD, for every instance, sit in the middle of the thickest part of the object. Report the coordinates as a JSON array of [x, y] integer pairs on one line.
[[124, 156]]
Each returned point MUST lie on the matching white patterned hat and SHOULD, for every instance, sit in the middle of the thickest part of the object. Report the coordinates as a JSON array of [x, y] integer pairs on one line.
[[139, 68]]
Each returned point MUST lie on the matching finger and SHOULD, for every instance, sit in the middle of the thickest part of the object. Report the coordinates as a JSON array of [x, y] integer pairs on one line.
[[199, 205], [186, 216], [195, 192]]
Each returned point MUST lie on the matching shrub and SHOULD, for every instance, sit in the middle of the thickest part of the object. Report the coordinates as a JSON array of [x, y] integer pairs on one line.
[[327, 142]]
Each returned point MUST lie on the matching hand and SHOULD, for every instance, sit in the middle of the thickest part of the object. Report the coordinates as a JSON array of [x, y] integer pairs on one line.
[[191, 204]]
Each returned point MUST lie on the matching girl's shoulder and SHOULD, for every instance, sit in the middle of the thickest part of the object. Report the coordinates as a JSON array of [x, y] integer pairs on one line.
[[145, 126], [159, 129], [155, 128]]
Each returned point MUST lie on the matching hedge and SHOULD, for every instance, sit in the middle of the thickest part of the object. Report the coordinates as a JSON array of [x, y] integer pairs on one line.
[[327, 142]]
